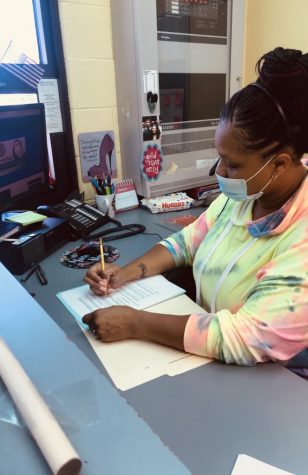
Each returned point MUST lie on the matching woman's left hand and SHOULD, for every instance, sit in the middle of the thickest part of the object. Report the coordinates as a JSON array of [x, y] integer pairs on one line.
[[113, 323]]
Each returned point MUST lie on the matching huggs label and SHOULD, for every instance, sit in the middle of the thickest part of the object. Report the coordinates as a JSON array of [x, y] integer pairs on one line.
[[178, 204]]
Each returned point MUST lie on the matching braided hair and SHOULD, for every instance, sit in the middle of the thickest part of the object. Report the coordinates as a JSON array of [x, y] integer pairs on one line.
[[276, 109]]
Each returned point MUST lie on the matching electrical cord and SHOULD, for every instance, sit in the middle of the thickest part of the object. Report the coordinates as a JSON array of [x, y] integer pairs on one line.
[[155, 234]]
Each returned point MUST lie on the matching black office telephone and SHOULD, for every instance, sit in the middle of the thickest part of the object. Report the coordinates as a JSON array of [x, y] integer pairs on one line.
[[84, 219], [81, 217]]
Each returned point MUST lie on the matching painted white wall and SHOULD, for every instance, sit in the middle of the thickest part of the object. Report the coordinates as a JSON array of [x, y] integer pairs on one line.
[[271, 23]]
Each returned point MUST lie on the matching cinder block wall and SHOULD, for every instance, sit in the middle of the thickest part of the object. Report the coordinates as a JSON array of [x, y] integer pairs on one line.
[[87, 43]]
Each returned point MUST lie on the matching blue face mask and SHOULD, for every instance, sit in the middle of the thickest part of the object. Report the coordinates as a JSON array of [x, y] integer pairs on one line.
[[236, 188]]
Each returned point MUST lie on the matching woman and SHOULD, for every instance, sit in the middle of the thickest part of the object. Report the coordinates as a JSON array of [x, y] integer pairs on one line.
[[249, 249], [155, 132]]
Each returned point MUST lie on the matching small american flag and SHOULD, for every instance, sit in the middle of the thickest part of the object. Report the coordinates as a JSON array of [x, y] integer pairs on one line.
[[25, 69]]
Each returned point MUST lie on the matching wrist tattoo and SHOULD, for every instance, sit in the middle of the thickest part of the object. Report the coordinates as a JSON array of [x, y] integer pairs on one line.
[[143, 270]]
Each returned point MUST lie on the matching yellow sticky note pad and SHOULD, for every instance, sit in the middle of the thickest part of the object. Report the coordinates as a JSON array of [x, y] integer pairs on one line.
[[27, 217]]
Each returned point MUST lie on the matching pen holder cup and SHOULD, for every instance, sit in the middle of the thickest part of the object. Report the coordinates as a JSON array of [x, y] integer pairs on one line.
[[106, 204]]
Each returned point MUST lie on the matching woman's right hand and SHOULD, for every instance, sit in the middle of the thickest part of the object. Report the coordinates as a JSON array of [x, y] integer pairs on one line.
[[100, 282]]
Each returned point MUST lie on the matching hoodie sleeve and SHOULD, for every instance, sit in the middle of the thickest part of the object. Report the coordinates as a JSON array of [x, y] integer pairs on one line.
[[272, 324], [184, 244]]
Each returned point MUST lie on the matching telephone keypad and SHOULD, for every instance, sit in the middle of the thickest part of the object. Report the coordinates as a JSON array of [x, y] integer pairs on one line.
[[82, 217]]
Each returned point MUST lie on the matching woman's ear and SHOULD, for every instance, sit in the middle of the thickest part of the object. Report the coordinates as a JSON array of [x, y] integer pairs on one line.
[[282, 162]]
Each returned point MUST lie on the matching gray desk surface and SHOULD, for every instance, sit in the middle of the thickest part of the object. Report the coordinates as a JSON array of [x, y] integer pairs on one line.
[[197, 422]]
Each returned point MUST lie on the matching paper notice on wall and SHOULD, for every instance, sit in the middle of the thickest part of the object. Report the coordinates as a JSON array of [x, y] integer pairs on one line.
[[150, 80], [48, 93]]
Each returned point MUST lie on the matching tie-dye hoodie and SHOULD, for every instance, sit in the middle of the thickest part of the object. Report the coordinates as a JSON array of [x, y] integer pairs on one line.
[[251, 279]]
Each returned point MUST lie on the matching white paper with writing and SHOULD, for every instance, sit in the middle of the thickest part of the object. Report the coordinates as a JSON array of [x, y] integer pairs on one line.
[[139, 294], [130, 363]]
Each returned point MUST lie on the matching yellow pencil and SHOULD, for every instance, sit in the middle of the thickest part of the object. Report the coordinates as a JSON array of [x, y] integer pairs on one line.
[[101, 250]]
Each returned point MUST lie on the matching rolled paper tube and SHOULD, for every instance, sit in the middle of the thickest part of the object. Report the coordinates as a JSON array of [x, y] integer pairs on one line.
[[55, 446]]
